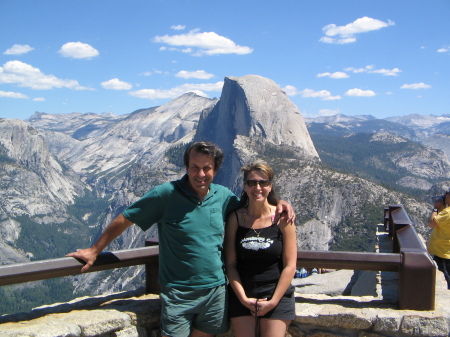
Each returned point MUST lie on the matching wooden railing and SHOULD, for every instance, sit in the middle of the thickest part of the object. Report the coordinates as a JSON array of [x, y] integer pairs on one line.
[[417, 272]]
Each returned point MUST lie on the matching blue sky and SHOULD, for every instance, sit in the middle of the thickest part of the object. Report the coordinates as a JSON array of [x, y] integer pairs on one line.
[[381, 57]]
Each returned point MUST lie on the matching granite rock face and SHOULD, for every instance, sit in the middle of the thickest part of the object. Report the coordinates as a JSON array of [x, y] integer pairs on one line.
[[253, 109]]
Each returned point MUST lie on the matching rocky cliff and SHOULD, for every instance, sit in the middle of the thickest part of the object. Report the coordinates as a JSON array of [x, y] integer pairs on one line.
[[253, 110], [116, 159], [36, 191]]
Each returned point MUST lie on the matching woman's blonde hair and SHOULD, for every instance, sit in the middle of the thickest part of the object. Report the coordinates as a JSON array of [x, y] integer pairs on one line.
[[268, 171]]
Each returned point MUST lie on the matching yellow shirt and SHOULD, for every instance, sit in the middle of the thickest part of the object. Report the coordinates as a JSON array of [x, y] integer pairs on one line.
[[439, 242]]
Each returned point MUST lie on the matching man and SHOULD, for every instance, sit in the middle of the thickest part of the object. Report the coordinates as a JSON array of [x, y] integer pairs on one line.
[[190, 214]]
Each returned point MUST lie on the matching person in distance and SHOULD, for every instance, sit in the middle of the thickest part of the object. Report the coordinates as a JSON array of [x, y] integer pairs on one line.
[[190, 214], [439, 241], [260, 259]]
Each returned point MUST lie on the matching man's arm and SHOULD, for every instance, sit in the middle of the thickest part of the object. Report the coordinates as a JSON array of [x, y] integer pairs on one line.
[[284, 211], [114, 229]]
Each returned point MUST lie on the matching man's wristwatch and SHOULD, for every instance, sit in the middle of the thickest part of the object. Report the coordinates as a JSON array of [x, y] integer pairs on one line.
[[435, 210]]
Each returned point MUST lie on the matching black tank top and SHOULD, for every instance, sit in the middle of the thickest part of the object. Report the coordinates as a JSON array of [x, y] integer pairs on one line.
[[259, 255]]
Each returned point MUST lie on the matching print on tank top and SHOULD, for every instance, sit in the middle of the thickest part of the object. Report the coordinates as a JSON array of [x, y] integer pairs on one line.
[[256, 243]]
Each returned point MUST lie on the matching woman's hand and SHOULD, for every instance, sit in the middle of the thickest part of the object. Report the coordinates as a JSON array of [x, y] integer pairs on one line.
[[264, 306]]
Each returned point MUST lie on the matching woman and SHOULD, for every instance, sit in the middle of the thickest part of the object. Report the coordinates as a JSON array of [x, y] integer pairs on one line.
[[261, 257], [439, 242]]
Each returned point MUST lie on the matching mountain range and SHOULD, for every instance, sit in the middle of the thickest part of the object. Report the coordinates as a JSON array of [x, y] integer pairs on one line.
[[64, 177]]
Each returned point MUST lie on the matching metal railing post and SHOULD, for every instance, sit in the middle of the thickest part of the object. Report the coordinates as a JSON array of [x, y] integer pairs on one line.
[[417, 281], [152, 271]]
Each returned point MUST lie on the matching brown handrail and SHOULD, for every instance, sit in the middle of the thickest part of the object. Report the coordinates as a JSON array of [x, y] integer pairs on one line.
[[417, 272], [349, 260], [66, 266]]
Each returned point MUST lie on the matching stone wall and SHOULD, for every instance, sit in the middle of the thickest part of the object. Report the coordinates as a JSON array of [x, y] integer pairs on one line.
[[321, 311], [137, 314]]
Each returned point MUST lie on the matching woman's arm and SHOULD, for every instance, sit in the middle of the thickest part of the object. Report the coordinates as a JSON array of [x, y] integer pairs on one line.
[[230, 262], [289, 266]]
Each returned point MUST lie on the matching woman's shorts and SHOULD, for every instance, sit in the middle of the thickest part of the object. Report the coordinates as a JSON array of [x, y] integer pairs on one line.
[[285, 309]]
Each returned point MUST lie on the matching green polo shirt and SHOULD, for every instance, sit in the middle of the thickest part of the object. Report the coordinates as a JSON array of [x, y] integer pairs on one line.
[[190, 231]]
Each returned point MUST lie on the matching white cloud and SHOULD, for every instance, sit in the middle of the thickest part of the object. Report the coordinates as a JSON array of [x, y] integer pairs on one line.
[[371, 70], [290, 90], [326, 39], [329, 112], [18, 49], [386, 72], [310, 93], [78, 50], [322, 94], [336, 75], [346, 34], [416, 86], [359, 70], [178, 27], [332, 98], [360, 93], [201, 74], [116, 84], [11, 94], [178, 91], [25, 75], [198, 44], [39, 99], [444, 49]]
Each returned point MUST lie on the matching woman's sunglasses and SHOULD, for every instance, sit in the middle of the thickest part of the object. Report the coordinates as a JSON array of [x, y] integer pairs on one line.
[[262, 183]]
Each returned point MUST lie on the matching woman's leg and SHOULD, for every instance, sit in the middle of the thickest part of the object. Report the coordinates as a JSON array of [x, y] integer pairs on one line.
[[274, 327], [444, 266], [446, 271], [243, 326]]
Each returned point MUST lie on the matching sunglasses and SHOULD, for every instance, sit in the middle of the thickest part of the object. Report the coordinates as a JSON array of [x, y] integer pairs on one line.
[[262, 183]]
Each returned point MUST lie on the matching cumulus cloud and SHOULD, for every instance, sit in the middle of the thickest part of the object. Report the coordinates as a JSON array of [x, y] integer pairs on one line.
[[372, 70], [329, 112], [386, 72], [200, 74], [11, 94], [175, 92], [18, 49], [420, 85], [25, 75], [326, 39], [116, 84], [346, 34], [78, 50], [336, 75], [444, 49], [310, 93], [178, 27], [199, 44], [360, 93]]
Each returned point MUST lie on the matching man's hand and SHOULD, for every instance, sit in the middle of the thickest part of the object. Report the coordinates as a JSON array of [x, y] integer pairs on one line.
[[114, 229], [284, 211], [88, 255]]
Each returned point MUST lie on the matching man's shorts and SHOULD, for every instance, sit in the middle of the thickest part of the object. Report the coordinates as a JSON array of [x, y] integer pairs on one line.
[[201, 309]]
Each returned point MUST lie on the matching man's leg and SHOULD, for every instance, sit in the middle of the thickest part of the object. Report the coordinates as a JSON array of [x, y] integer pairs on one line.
[[176, 318], [211, 315], [196, 333]]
